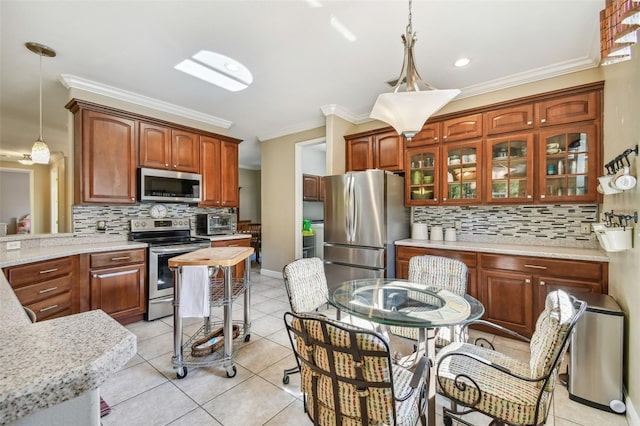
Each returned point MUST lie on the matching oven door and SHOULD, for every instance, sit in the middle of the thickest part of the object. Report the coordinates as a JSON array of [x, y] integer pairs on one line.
[[161, 277]]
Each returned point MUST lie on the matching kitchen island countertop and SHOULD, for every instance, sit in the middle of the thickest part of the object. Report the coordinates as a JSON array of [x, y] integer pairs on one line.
[[571, 253]]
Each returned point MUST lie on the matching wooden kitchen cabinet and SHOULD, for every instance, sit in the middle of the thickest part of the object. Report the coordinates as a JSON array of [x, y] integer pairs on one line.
[[567, 164], [238, 269], [104, 157], [462, 172], [47, 288], [509, 171], [513, 288], [429, 135], [171, 149], [219, 165], [510, 119], [378, 150], [117, 283], [185, 151], [422, 180], [312, 188], [568, 109], [460, 128]]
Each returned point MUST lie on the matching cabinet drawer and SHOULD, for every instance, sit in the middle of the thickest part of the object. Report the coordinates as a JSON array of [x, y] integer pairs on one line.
[[32, 273], [242, 242], [468, 258], [56, 306], [542, 266], [37, 292], [115, 258]]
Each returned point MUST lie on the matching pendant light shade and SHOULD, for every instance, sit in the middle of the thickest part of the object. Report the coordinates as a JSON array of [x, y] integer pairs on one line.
[[40, 151], [407, 111]]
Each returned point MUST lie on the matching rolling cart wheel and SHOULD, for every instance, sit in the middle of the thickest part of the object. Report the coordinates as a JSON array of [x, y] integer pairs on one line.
[[285, 379], [182, 375], [231, 372], [247, 337]]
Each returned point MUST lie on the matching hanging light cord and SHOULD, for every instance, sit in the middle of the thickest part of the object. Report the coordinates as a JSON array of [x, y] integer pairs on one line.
[[40, 138]]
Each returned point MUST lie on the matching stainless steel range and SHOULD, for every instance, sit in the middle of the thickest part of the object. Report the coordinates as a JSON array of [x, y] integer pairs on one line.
[[167, 238]]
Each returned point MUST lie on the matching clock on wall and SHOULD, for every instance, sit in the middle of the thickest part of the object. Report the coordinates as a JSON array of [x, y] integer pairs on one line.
[[158, 211]]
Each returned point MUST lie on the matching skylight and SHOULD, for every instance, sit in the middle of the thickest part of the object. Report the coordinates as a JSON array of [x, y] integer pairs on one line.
[[217, 69]]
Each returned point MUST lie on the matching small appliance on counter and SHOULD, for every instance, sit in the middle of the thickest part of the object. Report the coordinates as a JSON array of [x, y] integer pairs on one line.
[[216, 223]]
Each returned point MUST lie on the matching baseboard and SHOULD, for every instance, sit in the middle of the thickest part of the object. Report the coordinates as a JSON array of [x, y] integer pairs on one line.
[[272, 274], [632, 414]]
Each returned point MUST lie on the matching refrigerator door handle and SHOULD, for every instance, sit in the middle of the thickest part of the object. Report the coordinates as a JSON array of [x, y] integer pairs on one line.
[[347, 203], [352, 208]]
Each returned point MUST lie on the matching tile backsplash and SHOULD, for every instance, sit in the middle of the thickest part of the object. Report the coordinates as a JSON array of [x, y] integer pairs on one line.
[[118, 218], [553, 225]]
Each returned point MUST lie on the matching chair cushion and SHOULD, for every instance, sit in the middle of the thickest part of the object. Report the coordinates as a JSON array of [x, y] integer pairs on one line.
[[501, 396], [306, 284], [376, 369]]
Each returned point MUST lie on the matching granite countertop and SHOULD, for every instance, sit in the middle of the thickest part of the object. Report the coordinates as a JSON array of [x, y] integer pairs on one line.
[[26, 255], [571, 253], [53, 361], [225, 237]]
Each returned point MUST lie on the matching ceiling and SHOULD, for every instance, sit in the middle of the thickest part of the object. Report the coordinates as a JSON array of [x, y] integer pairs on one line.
[[299, 62]]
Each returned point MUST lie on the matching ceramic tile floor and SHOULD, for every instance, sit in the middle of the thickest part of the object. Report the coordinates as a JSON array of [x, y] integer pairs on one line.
[[146, 391]]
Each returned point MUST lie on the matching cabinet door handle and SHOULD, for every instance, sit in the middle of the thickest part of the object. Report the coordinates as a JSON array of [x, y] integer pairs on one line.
[[48, 271], [48, 308], [166, 164], [528, 196], [543, 120], [174, 166], [529, 123], [542, 196], [48, 290], [133, 199], [113, 259], [444, 137], [527, 280], [435, 139], [543, 283], [535, 266]]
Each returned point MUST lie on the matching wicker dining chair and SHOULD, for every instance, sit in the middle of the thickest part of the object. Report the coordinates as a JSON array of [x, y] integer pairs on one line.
[[504, 388], [347, 377], [444, 273], [307, 290]]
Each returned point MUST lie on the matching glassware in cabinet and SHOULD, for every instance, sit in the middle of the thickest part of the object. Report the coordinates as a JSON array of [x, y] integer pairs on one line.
[[462, 184], [510, 169], [421, 176]]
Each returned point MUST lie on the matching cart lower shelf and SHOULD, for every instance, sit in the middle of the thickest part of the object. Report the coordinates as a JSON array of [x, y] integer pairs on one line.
[[216, 357]]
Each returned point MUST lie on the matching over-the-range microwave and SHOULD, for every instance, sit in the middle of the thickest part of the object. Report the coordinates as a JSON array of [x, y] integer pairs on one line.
[[168, 186]]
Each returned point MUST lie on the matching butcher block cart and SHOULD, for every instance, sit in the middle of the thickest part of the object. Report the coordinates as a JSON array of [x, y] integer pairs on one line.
[[222, 293]]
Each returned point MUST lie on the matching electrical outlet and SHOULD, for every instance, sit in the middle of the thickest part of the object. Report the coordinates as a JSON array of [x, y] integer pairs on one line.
[[585, 228], [458, 224], [13, 245]]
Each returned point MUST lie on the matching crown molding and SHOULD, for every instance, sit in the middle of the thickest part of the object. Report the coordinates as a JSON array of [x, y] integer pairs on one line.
[[530, 76], [71, 81], [345, 114], [295, 128]]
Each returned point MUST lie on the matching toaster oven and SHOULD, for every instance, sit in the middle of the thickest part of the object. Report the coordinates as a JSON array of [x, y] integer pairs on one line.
[[216, 223]]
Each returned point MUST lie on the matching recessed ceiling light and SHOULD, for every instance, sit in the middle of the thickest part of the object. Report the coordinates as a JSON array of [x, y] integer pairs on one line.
[[217, 69], [342, 29], [462, 62]]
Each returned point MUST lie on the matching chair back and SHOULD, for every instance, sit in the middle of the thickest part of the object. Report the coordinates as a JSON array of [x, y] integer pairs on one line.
[[306, 284], [552, 335], [346, 373], [438, 271]]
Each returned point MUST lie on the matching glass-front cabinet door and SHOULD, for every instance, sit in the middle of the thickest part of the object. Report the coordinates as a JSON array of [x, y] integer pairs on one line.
[[567, 164], [509, 175], [421, 176], [460, 178]]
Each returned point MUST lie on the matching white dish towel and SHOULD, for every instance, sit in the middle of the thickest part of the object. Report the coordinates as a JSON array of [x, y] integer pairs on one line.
[[194, 292]]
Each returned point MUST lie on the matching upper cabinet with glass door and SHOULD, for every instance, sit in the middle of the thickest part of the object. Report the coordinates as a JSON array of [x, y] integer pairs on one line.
[[421, 178], [460, 174], [567, 164], [509, 174]]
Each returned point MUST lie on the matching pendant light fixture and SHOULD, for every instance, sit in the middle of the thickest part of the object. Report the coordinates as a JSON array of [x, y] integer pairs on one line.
[[407, 111], [40, 151]]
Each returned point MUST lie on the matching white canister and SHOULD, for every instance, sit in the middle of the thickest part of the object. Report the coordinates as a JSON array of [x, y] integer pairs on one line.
[[436, 233], [450, 234], [419, 231]]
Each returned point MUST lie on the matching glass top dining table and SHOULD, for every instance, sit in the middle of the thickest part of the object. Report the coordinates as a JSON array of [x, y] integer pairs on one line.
[[404, 303]]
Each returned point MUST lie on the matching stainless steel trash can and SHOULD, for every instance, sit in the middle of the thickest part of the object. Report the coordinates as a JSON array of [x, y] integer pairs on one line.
[[595, 363]]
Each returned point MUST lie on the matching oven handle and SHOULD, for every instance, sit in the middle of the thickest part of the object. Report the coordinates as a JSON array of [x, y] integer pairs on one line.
[[173, 250], [162, 300]]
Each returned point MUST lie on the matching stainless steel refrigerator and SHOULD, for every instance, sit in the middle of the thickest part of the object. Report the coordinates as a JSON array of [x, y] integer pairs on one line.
[[364, 214]]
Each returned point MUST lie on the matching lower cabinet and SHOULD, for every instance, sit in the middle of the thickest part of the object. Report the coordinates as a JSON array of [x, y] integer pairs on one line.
[[117, 283], [238, 270], [513, 288], [46, 287]]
